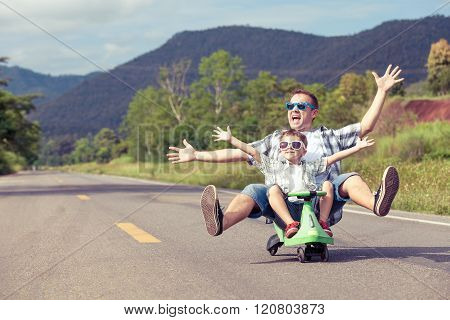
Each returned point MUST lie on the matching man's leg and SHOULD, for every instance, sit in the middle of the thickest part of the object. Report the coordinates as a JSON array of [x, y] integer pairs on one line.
[[239, 208], [359, 192], [326, 201], [253, 196], [357, 189]]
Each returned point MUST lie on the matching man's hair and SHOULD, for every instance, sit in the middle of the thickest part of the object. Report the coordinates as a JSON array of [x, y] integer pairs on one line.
[[309, 94], [296, 133]]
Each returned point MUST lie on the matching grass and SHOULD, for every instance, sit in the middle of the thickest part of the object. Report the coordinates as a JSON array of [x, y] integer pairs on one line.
[[427, 140], [233, 175], [423, 188]]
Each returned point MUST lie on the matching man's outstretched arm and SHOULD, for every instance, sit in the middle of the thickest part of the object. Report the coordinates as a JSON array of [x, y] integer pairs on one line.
[[384, 84], [188, 153]]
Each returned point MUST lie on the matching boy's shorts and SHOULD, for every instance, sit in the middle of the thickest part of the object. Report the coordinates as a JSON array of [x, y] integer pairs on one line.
[[258, 192]]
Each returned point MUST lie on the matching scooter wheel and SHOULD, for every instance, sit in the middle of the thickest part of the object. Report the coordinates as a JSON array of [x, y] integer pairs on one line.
[[308, 253], [273, 244], [324, 256], [301, 255], [273, 250]]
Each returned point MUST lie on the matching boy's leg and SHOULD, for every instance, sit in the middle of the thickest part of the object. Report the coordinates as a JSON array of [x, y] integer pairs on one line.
[[278, 204], [325, 204], [359, 192]]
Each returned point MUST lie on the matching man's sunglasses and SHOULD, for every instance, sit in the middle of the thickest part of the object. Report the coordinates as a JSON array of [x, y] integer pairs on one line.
[[300, 105], [296, 145]]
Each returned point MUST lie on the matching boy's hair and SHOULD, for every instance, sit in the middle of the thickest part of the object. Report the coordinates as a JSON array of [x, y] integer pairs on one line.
[[296, 133], [309, 94]]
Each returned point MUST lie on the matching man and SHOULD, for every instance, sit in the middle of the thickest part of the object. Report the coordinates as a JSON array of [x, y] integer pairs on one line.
[[303, 108]]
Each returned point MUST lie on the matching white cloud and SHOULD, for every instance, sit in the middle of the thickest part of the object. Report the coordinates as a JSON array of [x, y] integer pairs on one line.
[[111, 32], [66, 15], [113, 49]]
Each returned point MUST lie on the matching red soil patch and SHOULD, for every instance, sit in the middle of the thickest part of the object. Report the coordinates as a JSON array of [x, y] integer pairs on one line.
[[429, 110]]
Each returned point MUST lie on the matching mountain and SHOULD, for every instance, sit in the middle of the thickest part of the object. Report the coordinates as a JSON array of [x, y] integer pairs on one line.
[[102, 101], [24, 81]]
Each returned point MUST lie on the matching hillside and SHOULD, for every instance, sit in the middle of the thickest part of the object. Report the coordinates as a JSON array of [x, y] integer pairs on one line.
[[102, 101], [24, 81]]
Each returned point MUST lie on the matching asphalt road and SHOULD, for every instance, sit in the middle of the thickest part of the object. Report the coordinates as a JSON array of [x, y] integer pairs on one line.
[[60, 238]]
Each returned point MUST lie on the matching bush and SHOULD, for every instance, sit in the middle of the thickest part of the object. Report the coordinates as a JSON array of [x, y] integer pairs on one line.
[[424, 141], [10, 162], [103, 155]]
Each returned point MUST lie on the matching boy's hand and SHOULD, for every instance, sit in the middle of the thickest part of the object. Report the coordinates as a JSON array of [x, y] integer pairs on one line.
[[365, 143], [221, 135], [389, 78]]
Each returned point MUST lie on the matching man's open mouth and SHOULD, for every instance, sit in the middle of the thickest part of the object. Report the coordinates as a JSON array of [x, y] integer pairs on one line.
[[296, 117]]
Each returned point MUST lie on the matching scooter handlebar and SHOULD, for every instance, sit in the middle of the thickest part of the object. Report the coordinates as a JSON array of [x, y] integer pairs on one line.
[[307, 194]]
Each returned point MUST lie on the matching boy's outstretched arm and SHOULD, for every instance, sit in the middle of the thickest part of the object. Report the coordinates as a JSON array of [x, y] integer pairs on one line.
[[361, 144], [221, 135], [384, 84]]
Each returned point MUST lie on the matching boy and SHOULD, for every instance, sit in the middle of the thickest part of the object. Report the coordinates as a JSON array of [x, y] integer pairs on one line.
[[293, 174]]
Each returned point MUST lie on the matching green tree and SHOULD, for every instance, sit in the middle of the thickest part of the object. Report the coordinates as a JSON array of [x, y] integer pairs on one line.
[[262, 95], [146, 124], [347, 102], [220, 83], [48, 155], [84, 150], [173, 84], [19, 138], [104, 142], [439, 67], [120, 149], [57, 150]]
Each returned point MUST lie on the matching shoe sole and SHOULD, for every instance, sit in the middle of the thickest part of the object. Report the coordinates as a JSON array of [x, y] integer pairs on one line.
[[389, 187], [208, 204], [329, 233], [290, 233]]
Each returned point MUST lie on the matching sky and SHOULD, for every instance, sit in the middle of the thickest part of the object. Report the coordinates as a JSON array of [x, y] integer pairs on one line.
[[112, 32]]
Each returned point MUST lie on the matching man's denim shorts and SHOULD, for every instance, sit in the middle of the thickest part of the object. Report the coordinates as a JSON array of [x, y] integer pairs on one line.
[[258, 192]]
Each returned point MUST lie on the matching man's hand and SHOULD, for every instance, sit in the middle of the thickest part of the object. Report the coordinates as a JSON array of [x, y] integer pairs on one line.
[[364, 143], [221, 135], [182, 154], [387, 81]]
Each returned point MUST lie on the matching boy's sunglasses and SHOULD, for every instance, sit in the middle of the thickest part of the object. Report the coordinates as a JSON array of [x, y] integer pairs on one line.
[[300, 105], [296, 145]]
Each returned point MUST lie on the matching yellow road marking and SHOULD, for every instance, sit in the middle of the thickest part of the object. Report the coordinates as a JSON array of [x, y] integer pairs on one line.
[[83, 197], [138, 234]]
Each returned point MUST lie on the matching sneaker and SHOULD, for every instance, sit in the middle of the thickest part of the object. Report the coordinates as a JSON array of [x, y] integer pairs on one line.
[[291, 229], [326, 228], [211, 211], [386, 192]]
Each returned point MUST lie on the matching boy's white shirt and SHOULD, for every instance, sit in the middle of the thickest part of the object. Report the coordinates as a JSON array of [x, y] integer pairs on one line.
[[291, 177], [315, 151]]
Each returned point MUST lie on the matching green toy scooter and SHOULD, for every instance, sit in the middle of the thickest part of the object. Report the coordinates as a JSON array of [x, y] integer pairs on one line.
[[310, 234]]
